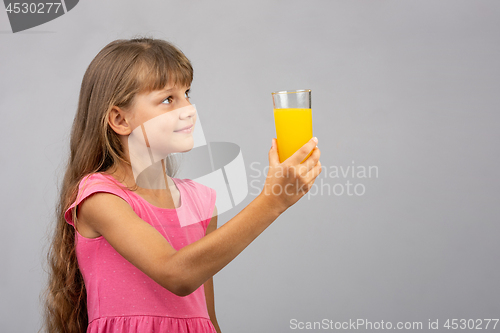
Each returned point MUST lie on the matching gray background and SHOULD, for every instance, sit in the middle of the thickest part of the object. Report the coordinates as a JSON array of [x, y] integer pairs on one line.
[[408, 86]]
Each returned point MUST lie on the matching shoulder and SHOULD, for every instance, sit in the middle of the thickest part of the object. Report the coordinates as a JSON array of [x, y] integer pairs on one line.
[[100, 179], [189, 183], [194, 188], [201, 196], [100, 182], [97, 183]]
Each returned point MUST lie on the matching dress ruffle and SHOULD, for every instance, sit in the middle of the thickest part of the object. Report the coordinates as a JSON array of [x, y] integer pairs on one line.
[[150, 324]]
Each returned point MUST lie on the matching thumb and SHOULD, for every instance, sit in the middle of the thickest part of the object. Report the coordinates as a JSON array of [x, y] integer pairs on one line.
[[273, 154]]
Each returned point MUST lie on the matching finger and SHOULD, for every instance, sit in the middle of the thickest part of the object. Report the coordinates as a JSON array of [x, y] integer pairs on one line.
[[273, 154], [311, 161], [300, 154], [311, 176]]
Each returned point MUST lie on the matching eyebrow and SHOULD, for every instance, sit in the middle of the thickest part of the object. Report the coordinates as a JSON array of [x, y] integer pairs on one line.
[[164, 91]]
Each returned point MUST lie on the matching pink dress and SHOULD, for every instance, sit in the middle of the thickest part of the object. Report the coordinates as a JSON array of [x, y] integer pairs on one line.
[[120, 297]]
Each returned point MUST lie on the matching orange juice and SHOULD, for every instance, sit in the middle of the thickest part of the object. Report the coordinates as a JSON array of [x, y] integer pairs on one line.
[[293, 130]]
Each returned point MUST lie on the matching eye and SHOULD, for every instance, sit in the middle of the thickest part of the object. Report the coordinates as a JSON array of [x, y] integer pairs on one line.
[[167, 100], [186, 94]]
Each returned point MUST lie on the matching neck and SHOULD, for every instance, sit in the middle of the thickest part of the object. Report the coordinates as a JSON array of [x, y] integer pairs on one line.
[[152, 184], [152, 178]]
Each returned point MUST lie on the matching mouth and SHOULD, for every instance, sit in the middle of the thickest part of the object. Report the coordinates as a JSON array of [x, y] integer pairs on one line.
[[187, 129]]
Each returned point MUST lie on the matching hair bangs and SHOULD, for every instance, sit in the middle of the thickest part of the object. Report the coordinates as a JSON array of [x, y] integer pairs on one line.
[[161, 67]]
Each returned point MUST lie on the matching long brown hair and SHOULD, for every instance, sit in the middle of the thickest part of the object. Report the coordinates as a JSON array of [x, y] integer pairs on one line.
[[120, 70]]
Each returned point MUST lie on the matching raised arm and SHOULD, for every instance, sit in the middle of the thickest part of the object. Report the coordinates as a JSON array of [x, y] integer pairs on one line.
[[183, 271]]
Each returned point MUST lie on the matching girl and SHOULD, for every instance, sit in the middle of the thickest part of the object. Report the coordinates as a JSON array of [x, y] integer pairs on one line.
[[119, 261]]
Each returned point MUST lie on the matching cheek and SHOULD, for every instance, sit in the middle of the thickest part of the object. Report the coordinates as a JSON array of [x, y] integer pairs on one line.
[[166, 121], [160, 128], [159, 132]]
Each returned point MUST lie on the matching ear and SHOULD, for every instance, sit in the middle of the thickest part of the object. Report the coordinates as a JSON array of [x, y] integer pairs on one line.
[[118, 122]]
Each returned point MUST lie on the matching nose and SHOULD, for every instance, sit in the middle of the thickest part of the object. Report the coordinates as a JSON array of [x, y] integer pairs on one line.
[[187, 111], [184, 102]]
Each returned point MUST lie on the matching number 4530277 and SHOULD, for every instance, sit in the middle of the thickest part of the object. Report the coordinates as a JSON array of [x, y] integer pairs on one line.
[[470, 323], [33, 8]]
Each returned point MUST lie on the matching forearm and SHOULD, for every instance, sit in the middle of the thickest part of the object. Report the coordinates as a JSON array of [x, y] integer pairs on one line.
[[199, 261]]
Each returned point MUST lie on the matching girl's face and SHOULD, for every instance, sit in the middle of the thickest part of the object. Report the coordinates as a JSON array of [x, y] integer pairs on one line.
[[170, 103]]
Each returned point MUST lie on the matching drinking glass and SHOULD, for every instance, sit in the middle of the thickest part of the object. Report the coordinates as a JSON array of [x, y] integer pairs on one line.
[[293, 121]]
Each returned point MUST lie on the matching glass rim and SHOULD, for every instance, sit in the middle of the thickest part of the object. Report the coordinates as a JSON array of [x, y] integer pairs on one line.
[[290, 91]]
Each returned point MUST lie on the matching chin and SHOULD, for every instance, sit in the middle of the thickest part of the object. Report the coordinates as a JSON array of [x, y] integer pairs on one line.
[[188, 148]]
